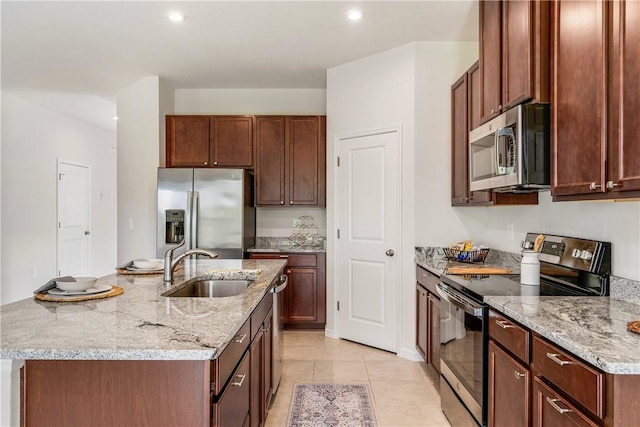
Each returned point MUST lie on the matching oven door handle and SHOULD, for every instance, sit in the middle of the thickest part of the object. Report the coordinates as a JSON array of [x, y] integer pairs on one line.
[[459, 300]]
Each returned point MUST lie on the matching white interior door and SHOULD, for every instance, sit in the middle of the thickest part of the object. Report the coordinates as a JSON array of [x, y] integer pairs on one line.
[[74, 186], [367, 265]]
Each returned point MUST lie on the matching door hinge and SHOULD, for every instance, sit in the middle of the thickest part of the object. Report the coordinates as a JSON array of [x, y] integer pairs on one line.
[[338, 305], [338, 161], [60, 175], [338, 230], [59, 225]]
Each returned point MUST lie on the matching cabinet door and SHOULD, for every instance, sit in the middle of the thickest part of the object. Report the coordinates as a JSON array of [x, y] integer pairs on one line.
[[552, 410], [421, 321], [459, 143], [233, 406], [578, 97], [305, 159], [267, 386], [490, 63], [187, 141], [517, 54], [257, 356], [509, 385], [301, 296], [434, 331], [473, 115], [270, 160], [232, 141], [624, 102]]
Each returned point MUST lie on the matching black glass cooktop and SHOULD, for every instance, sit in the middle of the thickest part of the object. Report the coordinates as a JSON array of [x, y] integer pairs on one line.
[[477, 287]]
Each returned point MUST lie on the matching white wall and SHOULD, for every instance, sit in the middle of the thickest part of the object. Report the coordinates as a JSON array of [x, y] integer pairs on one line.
[[33, 138], [141, 109], [270, 221], [407, 86]]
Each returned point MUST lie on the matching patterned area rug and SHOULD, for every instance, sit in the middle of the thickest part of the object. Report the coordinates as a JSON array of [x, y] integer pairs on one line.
[[331, 405]]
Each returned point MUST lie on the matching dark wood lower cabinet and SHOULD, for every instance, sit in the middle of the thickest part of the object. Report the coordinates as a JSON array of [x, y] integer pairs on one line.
[[551, 410], [422, 302], [509, 388], [232, 407], [261, 364], [434, 331], [428, 318]]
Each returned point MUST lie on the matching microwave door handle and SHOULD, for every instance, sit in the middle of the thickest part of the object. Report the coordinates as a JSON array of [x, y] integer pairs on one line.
[[497, 151]]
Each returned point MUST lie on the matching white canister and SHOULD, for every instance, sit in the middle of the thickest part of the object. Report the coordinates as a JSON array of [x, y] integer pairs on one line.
[[530, 268]]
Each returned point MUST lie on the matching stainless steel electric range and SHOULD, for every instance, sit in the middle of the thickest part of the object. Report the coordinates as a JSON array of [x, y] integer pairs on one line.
[[568, 267]]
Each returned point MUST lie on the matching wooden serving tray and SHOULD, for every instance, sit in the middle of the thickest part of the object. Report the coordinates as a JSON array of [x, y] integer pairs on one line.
[[115, 291], [124, 271], [634, 326], [478, 270]]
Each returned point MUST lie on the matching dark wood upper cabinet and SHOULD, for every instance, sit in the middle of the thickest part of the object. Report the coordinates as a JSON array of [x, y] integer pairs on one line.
[[188, 141], [290, 166], [209, 141], [514, 54], [232, 141], [270, 160], [595, 124], [623, 174]]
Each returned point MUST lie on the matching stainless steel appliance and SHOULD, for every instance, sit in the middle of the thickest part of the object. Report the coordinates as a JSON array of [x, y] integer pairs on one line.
[[568, 267], [512, 151], [278, 329], [208, 208]]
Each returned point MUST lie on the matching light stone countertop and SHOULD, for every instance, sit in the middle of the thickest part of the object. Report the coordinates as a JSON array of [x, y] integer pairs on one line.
[[139, 324], [592, 328], [282, 244]]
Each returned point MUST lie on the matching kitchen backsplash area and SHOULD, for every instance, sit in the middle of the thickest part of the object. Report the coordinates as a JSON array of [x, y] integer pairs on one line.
[[620, 288], [279, 222]]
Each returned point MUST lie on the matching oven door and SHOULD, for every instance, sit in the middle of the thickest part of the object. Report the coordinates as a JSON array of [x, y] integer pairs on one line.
[[463, 338]]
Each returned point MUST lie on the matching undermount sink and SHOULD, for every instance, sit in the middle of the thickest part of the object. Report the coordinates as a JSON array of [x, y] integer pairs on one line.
[[209, 289]]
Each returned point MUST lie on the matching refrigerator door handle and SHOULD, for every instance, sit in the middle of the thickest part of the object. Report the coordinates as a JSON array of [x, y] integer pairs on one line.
[[195, 210], [188, 220]]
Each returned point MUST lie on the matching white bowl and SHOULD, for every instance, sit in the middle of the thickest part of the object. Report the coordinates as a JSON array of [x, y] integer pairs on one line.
[[77, 284], [148, 264]]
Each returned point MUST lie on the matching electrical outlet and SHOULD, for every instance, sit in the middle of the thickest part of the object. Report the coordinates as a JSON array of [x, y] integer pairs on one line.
[[510, 232], [34, 272], [130, 224]]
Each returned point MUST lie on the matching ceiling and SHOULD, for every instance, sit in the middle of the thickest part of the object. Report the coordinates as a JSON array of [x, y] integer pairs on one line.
[[85, 51]]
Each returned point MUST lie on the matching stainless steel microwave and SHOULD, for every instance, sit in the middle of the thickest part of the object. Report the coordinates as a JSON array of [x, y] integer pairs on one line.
[[511, 153]]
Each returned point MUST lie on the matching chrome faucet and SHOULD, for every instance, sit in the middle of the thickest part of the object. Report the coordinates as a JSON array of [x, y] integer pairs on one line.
[[170, 262]]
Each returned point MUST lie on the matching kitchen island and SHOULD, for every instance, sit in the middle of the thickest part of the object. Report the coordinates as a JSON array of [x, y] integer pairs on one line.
[[138, 358]]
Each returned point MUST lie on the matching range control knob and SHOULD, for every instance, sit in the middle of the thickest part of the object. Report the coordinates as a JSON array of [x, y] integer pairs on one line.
[[576, 253]]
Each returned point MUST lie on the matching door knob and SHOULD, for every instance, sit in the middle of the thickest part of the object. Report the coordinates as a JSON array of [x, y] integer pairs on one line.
[[390, 252], [87, 232]]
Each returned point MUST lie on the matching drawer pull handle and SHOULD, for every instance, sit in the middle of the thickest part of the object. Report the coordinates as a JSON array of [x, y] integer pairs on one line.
[[503, 324], [555, 358], [239, 339], [239, 384], [557, 407], [518, 375]]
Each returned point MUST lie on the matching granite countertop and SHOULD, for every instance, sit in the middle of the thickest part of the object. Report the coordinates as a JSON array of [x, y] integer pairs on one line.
[[139, 324], [282, 244], [434, 260], [592, 328]]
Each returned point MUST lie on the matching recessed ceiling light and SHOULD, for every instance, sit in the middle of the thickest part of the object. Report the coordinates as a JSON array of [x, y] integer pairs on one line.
[[176, 16], [354, 14]]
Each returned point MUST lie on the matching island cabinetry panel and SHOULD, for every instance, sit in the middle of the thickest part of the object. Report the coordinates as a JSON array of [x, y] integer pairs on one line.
[[209, 141], [290, 164], [509, 384], [595, 73], [222, 366], [261, 361], [514, 54], [304, 305], [428, 318], [552, 410], [115, 393], [232, 406], [465, 117]]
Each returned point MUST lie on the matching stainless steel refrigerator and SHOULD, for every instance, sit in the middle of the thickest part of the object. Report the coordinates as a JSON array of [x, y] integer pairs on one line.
[[208, 208]]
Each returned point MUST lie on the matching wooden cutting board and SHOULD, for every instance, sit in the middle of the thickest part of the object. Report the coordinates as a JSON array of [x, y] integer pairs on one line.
[[478, 270]]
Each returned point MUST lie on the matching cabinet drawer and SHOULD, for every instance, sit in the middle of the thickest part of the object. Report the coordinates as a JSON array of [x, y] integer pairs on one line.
[[427, 279], [306, 260], [510, 335], [259, 314], [231, 409], [551, 410], [580, 381], [223, 365]]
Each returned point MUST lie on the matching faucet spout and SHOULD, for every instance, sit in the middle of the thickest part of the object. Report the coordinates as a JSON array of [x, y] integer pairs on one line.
[[170, 262]]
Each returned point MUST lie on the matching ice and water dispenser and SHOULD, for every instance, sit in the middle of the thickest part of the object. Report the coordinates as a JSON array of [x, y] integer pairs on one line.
[[174, 228]]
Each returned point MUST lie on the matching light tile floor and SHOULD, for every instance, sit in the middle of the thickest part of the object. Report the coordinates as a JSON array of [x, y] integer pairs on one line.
[[403, 394]]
